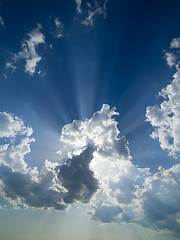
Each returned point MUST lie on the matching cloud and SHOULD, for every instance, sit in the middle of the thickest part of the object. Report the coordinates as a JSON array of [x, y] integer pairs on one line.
[[175, 43], [106, 214], [161, 198], [78, 178], [11, 154], [78, 8], [95, 169], [28, 53], [74, 180], [165, 118], [170, 59], [100, 132], [11, 125], [1, 21], [59, 28], [24, 191], [91, 11], [94, 10]]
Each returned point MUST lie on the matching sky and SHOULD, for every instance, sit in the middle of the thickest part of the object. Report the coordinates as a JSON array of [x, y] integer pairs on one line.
[[89, 120]]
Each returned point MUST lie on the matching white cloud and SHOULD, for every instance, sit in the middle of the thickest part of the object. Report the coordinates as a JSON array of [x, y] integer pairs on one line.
[[161, 197], [175, 43], [78, 8], [100, 132], [165, 118], [11, 125], [170, 59], [28, 53], [59, 28], [97, 171], [12, 155], [1, 21], [94, 10]]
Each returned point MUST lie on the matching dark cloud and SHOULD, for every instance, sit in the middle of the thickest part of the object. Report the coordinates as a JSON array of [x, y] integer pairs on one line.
[[78, 178], [35, 194]]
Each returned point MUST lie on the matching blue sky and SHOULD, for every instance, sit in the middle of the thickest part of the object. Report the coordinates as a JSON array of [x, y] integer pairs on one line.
[[89, 119]]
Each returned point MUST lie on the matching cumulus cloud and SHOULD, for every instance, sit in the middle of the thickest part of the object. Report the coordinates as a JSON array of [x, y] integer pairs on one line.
[[165, 118], [23, 191], [101, 132], [171, 59], [28, 52], [95, 169], [161, 198], [12, 155], [175, 43], [11, 125], [77, 177], [72, 181]]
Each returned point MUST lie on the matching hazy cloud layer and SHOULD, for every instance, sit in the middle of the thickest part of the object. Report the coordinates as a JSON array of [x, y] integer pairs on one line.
[[28, 52]]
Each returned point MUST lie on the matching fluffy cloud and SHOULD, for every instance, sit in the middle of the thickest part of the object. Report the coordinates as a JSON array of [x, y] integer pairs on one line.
[[28, 52], [12, 155], [172, 56], [165, 118], [97, 171], [171, 59], [161, 197], [11, 125], [100, 132], [77, 177], [175, 43]]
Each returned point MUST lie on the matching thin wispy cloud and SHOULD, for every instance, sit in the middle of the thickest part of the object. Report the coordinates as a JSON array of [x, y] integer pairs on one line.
[[59, 28], [93, 11], [1, 21], [29, 51], [78, 8], [90, 11]]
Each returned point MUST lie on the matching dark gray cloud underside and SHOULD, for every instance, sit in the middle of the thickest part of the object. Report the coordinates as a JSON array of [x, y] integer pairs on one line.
[[17, 185], [78, 178]]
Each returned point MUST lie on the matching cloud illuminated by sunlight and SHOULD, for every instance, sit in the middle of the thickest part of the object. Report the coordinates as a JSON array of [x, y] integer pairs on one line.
[[97, 171]]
